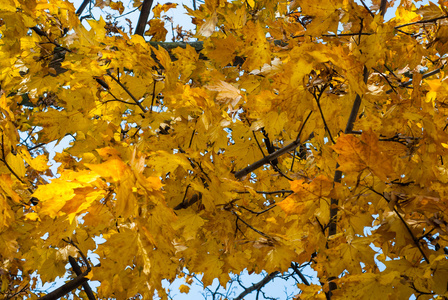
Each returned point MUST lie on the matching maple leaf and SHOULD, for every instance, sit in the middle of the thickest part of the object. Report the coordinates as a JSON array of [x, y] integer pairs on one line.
[[227, 93], [359, 154], [208, 27], [117, 6]]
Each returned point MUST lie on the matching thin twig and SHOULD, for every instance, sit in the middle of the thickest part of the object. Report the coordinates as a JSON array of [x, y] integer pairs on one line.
[[258, 212], [277, 169], [265, 160], [191, 139], [388, 82], [250, 226], [267, 193], [296, 269], [414, 239], [84, 258], [317, 98], [258, 144], [18, 292], [367, 8], [257, 286], [426, 75], [303, 125], [127, 91], [36, 146], [421, 22], [335, 35], [153, 96], [118, 100], [293, 160], [391, 71], [44, 34]]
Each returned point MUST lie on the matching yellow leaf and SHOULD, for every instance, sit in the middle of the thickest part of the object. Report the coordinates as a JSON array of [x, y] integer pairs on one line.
[[38, 163], [227, 93], [184, 288], [117, 6], [275, 122], [257, 49], [6, 214], [430, 11], [156, 30], [6, 184], [113, 169], [158, 9], [191, 222], [32, 216], [53, 196], [356, 155], [208, 27], [15, 162]]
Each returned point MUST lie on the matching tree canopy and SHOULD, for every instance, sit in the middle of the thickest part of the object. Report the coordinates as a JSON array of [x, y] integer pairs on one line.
[[287, 134]]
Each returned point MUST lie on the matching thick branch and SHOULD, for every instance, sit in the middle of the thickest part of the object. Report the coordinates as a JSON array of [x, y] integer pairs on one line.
[[198, 46], [143, 18], [78, 272], [338, 177], [82, 7], [67, 288], [383, 7], [338, 174], [296, 269]]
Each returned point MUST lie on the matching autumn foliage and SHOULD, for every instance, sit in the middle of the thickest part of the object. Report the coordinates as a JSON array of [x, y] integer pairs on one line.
[[346, 110]]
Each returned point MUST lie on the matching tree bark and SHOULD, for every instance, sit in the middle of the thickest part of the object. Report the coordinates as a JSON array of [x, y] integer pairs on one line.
[[143, 18]]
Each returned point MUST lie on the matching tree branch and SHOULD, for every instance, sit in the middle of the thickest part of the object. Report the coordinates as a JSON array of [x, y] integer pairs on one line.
[[258, 212], [143, 18], [338, 173], [257, 286], [82, 7], [67, 288], [127, 91], [426, 75], [78, 272], [414, 239], [383, 7], [367, 8], [317, 98], [267, 193], [421, 22], [296, 269], [250, 226], [267, 159]]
